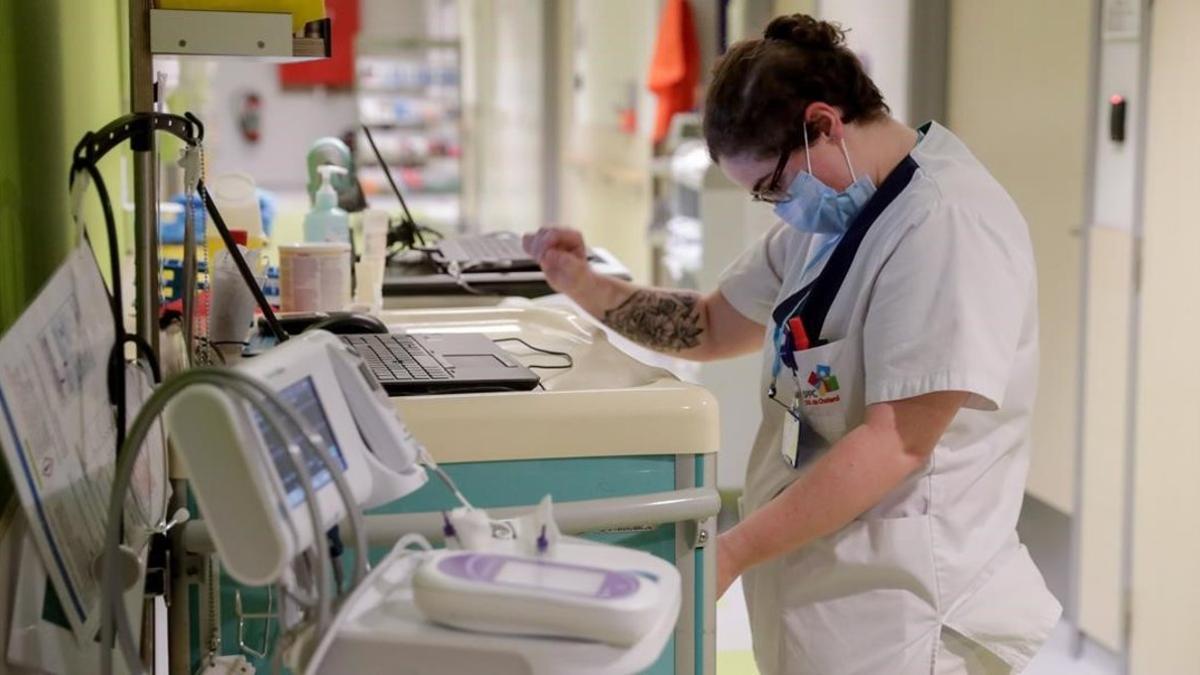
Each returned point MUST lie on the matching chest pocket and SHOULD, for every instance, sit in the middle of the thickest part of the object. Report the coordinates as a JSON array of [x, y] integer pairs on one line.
[[829, 374], [828, 377]]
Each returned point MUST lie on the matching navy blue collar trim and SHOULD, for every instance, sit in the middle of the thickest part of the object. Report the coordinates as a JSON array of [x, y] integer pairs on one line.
[[822, 291]]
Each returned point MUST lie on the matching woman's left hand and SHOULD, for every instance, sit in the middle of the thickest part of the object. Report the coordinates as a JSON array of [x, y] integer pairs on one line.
[[728, 568]]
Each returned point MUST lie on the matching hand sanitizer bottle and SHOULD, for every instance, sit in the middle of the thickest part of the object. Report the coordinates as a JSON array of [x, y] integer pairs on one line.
[[326, 222]]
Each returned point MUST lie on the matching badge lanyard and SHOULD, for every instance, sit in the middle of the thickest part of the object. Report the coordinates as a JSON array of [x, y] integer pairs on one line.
[[818, 296], [784, 339]]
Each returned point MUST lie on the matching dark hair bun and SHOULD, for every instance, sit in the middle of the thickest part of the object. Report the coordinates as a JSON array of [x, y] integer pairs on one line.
[[804, 31]]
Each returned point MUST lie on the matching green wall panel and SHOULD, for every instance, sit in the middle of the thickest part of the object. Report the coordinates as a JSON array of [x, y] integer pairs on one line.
[[62, 72]]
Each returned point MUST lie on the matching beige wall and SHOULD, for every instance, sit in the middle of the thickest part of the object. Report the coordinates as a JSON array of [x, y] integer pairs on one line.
[[1166, 531], [1106, 401], [1022, 105], [607, 189], [747, 18], [503, 114]]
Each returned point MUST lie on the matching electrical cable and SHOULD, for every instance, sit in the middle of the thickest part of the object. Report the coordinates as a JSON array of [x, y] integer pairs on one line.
[[301, 600], [336, 548], [245, 388], [353, 513], [567, 366], [116, 359], [85, 161], [453, 269], [427, 459], [249, 390], [409, 232], [116, 356], [540, 350], [437, 236], [114, 254], [147, 352], [117, 386], [399, 550], [189, 260], [116, 377], [339, 576], [301, 469], [240, 262], [284, 636], [164, 521]]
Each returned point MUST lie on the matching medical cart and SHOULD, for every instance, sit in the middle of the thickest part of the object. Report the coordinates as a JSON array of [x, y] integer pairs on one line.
[[626, 450]]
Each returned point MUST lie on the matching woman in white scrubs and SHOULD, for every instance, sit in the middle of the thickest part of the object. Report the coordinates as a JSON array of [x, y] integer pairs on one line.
[[897, 298]]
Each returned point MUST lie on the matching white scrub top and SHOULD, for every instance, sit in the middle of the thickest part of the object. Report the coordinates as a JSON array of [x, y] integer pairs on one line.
[[941, 296]]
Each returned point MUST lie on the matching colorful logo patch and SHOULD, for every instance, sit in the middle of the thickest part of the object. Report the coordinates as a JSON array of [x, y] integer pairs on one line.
[[823, 381]]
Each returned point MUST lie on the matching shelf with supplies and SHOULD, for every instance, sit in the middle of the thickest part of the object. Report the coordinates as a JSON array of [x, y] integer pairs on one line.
[[262, 35], [436, 178], [400, 121], [388, 45], [408, 73], [409, 95], [412, 146], [395, 89]]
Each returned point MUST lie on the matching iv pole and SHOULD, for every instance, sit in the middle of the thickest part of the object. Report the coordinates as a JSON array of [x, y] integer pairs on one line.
[[147, 271], [147, 278], [145, 182]]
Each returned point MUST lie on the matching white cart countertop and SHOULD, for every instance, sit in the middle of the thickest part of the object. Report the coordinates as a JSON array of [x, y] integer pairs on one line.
[[607, 404]]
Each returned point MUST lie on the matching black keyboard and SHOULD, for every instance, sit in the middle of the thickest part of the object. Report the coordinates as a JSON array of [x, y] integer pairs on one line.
[[397, 358]]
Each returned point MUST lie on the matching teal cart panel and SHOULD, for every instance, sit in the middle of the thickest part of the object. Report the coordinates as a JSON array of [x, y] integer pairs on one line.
[[487, 485]]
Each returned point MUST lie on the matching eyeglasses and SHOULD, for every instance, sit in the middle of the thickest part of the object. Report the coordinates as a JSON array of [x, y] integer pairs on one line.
[[774, 192]]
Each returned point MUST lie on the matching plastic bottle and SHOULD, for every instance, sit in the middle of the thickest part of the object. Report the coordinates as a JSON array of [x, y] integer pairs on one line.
[[236, 197], [232, 310], [368, 272], [326, 222]]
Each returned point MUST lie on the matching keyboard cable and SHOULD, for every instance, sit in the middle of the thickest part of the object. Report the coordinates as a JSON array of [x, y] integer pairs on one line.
[[455, 271], [570, 361]]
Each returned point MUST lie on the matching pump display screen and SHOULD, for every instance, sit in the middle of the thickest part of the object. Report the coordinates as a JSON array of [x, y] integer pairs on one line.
[[302, 397]]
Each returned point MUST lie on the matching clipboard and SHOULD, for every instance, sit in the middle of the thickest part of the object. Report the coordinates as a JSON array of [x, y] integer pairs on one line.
[[37, 643], [57, 435]]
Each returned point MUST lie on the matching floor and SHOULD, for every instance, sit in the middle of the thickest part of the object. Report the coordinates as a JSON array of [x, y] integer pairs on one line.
[[734, 655]]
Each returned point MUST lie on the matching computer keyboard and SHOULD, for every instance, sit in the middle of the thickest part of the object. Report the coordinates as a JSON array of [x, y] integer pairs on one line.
[[495, 248], [484, 250], [397, 358]]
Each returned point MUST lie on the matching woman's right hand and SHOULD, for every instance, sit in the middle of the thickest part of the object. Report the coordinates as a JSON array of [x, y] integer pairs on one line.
[[562, 255]]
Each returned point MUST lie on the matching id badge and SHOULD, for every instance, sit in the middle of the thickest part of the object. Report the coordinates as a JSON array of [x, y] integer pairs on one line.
[[790, 444]]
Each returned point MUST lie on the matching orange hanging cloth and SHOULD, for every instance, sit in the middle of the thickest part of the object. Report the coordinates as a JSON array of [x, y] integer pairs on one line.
[[675, 68]]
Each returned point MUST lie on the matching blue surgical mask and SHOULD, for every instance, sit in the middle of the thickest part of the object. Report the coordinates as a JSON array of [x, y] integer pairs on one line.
[[815, 207]]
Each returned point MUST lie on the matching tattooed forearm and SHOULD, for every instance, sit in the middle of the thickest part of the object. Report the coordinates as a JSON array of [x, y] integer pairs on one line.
[[662, 320]]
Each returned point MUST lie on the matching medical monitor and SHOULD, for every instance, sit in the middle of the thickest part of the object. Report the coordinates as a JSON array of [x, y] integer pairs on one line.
[[302, 396], [244, 473]]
